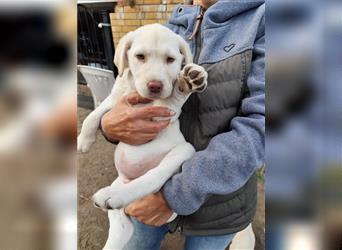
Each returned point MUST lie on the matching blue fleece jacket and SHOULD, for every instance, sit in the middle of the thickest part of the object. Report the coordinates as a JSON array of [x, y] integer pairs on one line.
[[239, 22]]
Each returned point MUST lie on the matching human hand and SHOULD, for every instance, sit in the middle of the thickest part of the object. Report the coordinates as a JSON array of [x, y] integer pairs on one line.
[[134, 125], [151, 210]]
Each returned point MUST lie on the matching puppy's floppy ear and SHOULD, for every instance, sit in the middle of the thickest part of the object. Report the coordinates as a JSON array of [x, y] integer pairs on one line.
[[120, 57], [185, 50]]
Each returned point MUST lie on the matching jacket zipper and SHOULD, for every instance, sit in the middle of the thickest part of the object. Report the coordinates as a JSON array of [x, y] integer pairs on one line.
[[198, 40], [194, 99]]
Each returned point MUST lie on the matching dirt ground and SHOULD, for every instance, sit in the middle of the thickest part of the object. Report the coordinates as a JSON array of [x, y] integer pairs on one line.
[[96, 170]]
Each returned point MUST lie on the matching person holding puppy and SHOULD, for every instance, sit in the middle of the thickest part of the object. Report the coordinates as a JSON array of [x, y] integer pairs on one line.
[[215, 193]]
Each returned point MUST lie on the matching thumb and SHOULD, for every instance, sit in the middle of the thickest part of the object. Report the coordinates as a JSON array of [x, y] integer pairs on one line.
[[134, 99]]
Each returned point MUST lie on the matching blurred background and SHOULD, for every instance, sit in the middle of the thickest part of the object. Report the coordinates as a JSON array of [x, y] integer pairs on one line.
[[304, 124], [38, 123], [38, 190]]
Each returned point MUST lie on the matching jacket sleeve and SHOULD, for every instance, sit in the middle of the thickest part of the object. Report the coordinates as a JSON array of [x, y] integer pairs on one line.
[[230, 158]]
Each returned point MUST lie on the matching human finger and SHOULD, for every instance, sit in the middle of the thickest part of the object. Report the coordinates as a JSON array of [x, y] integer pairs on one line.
[[134, 99], [153, 111]]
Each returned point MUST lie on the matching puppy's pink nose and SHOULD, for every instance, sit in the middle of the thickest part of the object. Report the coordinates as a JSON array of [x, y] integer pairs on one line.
[[155, 86]]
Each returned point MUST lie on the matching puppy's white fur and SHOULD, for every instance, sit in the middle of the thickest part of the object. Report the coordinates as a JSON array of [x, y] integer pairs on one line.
[[157, 44], [143, 56]]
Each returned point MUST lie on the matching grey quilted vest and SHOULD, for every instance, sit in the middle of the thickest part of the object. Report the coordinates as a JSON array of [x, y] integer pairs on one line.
[[205, 115]]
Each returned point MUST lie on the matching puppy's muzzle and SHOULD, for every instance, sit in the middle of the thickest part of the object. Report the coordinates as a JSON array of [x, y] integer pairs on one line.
[[155, 87]]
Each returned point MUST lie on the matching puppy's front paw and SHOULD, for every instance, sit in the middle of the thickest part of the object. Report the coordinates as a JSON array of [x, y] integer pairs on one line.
[[194, 78], [84, 143], [108, 198]]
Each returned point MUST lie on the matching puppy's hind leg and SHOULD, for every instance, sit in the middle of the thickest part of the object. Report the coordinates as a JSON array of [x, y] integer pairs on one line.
[[244, 239], [120, 230], [120, 225]]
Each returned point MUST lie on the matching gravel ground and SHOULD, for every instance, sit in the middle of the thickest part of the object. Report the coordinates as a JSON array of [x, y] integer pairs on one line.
[[96, 170]]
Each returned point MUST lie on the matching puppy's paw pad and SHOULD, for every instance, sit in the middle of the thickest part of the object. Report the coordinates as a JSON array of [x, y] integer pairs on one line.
[[195, 77]]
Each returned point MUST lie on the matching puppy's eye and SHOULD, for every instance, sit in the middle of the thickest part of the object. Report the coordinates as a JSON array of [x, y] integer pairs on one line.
[[170, 59], [140, 57]]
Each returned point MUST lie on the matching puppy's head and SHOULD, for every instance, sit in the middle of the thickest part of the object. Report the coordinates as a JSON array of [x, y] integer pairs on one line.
[[154, 55]]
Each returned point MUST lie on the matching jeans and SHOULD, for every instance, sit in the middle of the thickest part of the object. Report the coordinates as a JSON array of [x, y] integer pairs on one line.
[[147, 237]]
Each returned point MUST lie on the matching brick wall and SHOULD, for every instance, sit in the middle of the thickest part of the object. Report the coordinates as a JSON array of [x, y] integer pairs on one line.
[[126, 19]]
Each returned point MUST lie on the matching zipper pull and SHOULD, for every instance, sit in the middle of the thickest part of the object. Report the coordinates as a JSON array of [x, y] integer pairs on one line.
[[197, 23]]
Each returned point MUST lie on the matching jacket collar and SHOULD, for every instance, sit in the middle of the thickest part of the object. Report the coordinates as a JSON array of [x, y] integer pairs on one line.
[[223, 10], [216, 16]]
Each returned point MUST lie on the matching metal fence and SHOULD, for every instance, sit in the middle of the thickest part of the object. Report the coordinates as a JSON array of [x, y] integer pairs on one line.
[[95, 40]]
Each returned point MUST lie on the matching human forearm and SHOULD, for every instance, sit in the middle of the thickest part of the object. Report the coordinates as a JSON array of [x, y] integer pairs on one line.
[[224, 167]]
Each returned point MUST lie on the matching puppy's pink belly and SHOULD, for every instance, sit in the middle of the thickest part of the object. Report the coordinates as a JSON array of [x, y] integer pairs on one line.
[[133, 170]]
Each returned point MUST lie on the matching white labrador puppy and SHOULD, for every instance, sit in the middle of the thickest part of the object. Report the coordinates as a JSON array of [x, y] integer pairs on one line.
[[149, 61]]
